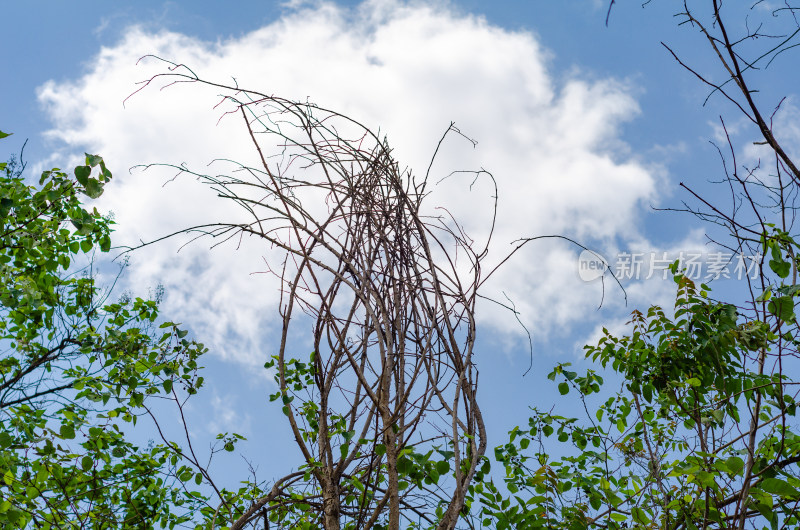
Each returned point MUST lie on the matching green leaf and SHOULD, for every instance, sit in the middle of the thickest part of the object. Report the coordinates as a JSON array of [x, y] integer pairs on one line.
[[67, 431], [82, 174], [563, 388], [780, 267], [105, 244], [639, 515], [5, 135], [783, 308], [789, 290], [5, 206], [93, 160], [404, 465], [734, 465], [5, 439], [778, 487], [93, 188], [763, 297]]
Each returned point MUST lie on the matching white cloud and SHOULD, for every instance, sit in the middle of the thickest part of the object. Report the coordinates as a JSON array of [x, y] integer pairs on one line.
[[225, 416], [409, 69]]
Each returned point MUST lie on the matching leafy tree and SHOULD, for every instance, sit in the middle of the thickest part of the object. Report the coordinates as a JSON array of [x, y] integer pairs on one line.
[[77, 370], [704, 431], [698, 437]]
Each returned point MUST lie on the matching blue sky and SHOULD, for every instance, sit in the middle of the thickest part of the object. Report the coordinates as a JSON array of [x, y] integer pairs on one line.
[[586, 127]]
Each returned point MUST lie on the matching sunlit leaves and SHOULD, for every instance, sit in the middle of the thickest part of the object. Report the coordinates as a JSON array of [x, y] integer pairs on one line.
[[75, 368], [655, 454]]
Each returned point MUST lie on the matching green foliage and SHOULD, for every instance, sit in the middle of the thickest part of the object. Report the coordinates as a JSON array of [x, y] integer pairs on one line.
[[75, 369], [693, 439]]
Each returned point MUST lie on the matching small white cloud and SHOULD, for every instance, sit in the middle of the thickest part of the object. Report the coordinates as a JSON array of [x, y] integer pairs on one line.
[[224, 416]]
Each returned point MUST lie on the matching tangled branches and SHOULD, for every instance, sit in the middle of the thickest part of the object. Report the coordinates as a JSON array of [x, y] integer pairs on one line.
[[385, 411]]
